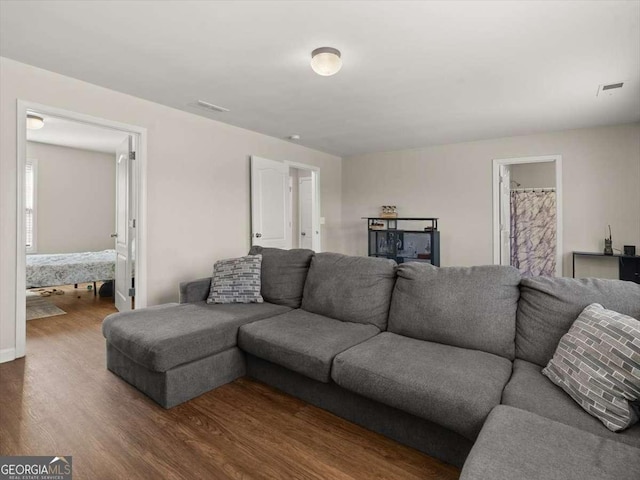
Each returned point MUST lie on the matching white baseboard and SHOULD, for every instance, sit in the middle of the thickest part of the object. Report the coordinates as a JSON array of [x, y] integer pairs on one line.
[[7, 355]]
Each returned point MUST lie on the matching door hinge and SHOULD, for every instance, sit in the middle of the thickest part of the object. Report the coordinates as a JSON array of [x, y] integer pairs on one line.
[[132, 223], [132, 292], [132, 155]]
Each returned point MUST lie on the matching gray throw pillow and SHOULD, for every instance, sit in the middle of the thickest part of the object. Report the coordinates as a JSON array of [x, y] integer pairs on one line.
[[597, 363], [236, 280]]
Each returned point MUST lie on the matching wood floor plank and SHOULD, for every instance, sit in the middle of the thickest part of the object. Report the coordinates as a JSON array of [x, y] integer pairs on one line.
[[306, 434], [61, 400]]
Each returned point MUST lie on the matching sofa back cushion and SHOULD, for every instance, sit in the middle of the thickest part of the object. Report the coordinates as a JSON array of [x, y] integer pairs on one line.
[[549, 306], [283, 274], [351, 289], [472, 307]]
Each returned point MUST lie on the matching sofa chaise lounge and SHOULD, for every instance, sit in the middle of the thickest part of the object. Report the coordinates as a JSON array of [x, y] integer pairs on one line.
[[439, 359]]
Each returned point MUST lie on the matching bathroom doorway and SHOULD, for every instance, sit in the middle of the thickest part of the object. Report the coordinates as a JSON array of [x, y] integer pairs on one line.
[[527, 204]]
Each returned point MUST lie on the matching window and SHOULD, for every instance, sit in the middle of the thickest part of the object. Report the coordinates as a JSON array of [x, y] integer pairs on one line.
[[30, 204]]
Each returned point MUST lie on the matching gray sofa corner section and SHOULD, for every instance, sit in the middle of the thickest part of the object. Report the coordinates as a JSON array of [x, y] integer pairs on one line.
[[176, 352], [195, 290], [183, 382], [351, 289], [161, 338], [468, 307], [519, 445], [549, 306], [528, 389]]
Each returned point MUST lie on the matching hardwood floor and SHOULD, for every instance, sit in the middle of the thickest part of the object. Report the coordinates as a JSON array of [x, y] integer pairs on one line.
[[61, 400]]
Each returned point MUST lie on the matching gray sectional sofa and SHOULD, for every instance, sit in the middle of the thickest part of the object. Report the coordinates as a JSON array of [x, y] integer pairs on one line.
[[446, 360]]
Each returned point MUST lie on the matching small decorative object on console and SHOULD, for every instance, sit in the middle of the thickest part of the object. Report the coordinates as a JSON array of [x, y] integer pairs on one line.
[[389, 211], [630, 250], [608, 244]]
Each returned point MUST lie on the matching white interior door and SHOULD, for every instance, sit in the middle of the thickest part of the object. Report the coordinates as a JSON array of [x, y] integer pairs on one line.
[[305, 196], [270, 203], [124, 225], [505, 215]]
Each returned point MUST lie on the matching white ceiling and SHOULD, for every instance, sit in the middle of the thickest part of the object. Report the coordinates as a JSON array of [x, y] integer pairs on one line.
[[414, 74], [58, 131]]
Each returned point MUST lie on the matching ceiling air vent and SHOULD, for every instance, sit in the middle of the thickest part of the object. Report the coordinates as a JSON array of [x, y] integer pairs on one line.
[[211, 106], [609, 89]]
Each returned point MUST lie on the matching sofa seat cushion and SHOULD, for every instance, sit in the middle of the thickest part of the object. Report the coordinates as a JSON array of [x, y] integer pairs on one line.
[[451, 386], [352, 289], [302, 341], [530, 390], [160, 338], [519, 445]]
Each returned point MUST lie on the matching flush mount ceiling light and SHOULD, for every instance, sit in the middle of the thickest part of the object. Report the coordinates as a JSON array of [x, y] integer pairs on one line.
[[326, 61], [34, 122]]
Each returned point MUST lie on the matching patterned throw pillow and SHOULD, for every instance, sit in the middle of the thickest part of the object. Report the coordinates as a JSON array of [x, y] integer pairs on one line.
[[597, 363], [236, 280]]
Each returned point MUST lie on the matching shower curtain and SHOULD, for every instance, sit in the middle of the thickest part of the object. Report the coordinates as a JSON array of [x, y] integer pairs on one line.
[[533, 232]]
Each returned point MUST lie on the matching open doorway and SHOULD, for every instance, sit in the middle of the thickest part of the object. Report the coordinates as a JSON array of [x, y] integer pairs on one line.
[[80, 244], [527, 204], [301, 216], [285, 204]]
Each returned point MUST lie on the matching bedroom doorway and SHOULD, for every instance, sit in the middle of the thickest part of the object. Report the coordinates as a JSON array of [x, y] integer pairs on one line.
[[527, 214], [81, 216]]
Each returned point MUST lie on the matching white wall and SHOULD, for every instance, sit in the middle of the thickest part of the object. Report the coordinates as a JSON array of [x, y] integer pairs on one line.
[[75, 198], [197, 179], [601, 178], [534, 175]]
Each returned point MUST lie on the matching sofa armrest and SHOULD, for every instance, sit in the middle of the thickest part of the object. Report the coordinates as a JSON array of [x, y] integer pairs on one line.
[[195, 290]]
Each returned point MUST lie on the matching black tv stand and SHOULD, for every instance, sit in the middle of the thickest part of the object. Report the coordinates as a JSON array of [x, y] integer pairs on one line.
[[418, 241]]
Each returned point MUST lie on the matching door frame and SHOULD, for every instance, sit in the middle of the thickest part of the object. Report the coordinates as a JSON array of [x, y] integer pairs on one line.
[[140, 135], [300, 180], [316, 241], [496, 203]]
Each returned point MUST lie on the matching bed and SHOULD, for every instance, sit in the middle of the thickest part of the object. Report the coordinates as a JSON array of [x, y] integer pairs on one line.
[[48, 270]]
